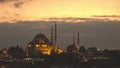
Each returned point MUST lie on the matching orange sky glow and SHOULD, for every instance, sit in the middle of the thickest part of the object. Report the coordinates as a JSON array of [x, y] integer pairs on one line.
[[16, 10]]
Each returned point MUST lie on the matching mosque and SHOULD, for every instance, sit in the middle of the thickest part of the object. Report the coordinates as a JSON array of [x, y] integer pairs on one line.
[[74, 47], [41, 45]]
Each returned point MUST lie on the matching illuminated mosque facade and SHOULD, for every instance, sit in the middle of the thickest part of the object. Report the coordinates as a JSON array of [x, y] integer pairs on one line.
[[41, 45]]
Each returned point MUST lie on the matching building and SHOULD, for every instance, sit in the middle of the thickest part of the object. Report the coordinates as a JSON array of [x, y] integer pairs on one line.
[[41, 45], [74, 47]]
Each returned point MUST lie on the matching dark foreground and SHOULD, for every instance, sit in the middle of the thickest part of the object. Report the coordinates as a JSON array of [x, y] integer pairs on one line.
[[90, 64]]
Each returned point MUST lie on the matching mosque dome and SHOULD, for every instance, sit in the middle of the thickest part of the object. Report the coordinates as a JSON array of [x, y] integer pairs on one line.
[[41, 39], [40, 36]]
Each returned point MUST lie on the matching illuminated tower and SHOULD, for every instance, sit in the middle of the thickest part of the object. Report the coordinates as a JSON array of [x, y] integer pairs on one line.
[[78, 41], [52, 41], [55, 37]]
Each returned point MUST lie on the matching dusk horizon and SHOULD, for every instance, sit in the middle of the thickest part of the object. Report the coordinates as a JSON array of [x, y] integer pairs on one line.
[[59, 34], [96, 21], [32, 10]]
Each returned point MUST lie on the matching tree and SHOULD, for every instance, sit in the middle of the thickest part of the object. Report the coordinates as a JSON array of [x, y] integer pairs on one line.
[[16, 52]]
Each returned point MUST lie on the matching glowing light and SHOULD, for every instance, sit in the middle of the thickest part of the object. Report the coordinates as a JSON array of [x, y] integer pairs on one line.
[[37, 45], [44, 45], [3, 66], [29, 45]]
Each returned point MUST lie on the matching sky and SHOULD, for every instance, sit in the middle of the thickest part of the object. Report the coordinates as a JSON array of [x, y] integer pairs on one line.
[[16, 10], [100, 34], [97, 21]]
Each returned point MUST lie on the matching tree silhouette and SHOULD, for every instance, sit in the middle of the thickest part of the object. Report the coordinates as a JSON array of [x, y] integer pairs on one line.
[[16, 52]]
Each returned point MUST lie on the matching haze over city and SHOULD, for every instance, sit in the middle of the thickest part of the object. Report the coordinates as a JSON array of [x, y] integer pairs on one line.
[[97, 21]]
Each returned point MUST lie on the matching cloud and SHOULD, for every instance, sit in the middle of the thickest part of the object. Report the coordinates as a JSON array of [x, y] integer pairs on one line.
[[82, 20], [16, 14], [17, 17], [3, 1], [11, 18], [16, 3], [106, 16]]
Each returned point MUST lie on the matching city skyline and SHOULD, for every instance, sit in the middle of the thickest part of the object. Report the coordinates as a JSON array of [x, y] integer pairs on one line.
[[59, 33]]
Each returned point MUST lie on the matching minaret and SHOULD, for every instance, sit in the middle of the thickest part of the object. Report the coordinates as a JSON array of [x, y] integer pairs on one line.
[[78, 41], [52, 41], [73, 40], [55, 37]]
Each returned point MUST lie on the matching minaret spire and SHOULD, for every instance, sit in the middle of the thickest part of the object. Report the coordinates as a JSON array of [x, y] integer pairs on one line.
[[73, 39], [52, 41], [78, 41], [55, 38]]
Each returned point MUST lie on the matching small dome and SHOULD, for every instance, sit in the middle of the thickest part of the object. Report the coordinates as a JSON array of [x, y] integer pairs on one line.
[[72, 48]]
